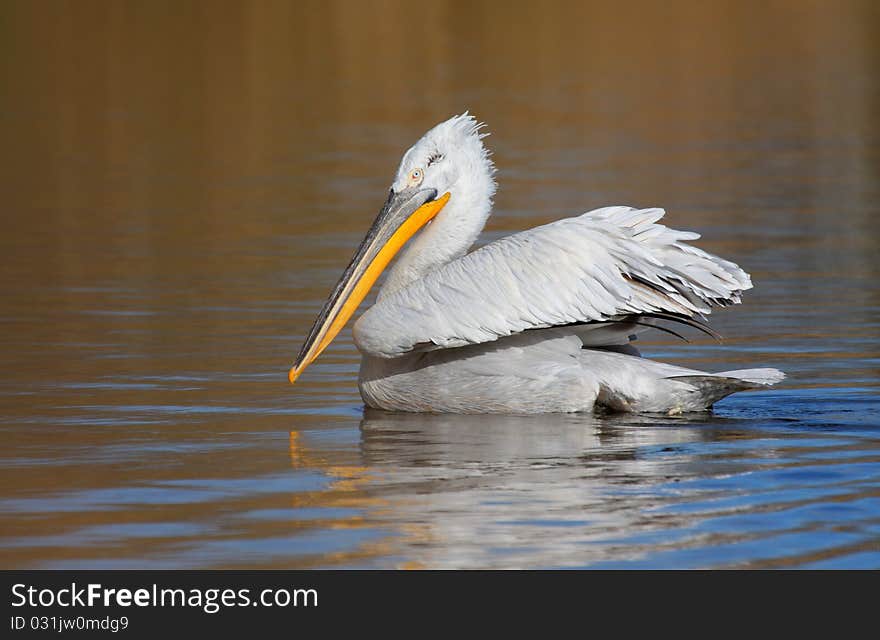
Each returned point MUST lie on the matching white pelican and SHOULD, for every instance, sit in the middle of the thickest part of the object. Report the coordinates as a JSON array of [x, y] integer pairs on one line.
[[537, 322]]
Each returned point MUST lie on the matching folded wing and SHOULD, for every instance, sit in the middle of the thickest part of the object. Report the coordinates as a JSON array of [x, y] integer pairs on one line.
[[604, 265]]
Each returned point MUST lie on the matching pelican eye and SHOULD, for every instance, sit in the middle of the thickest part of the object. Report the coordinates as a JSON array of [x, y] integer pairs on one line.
[[416, 176]]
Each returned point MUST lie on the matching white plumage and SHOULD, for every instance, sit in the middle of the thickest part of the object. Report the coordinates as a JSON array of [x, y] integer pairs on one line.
[[539, 321], [605, 264]]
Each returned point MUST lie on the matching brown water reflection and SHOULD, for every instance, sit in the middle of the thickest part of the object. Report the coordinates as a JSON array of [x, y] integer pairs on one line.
[[182, 183]]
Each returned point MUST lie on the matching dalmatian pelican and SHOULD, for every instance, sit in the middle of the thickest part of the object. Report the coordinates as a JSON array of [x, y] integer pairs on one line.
[[537, 322]]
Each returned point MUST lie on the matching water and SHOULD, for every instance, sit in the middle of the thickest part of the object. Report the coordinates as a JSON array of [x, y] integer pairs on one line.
[[183, 185]]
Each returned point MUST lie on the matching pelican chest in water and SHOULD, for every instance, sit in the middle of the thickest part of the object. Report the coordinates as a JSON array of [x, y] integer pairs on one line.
[[537, 322]]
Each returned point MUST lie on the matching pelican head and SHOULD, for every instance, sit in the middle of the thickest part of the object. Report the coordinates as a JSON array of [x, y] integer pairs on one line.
[[448, 170]]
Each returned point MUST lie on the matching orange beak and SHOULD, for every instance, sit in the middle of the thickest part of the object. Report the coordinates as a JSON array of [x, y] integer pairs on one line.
[[402, 216]]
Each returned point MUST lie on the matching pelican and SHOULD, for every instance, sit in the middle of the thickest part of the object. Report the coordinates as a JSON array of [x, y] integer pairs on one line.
[[537, 322]]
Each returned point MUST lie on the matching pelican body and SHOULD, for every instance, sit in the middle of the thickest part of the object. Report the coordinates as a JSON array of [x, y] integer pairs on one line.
[[537, 322]]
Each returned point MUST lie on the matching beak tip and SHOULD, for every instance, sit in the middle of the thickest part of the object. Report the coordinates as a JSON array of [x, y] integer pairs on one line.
[[293, 374]]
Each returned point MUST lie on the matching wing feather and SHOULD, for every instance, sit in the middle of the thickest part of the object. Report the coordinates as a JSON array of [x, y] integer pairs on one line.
[[603, 265]]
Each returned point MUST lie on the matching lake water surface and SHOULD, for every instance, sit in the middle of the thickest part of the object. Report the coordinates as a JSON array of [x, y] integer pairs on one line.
[[183, 184]]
